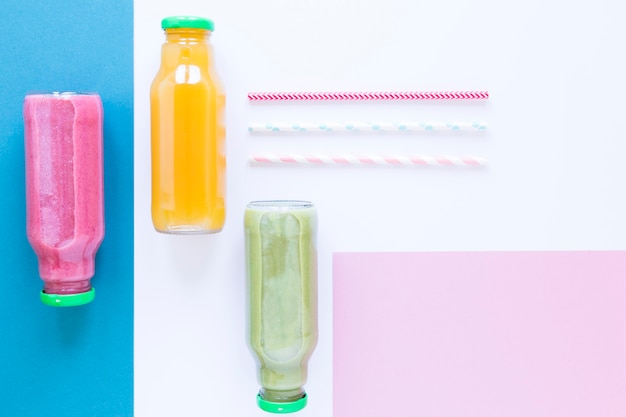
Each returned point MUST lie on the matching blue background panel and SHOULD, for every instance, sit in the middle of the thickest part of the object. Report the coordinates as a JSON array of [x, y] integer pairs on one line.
[[75, 361]]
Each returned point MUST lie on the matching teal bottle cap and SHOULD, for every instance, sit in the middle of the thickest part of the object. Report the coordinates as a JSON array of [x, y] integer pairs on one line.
[[281, 408], [67, 300], [187, 22]]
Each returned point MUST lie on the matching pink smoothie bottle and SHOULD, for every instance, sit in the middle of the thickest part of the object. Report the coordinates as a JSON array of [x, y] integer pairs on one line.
[[64, 191]]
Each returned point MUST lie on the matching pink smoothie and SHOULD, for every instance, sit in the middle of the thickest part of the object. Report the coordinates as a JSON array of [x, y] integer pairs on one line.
[[64, 191]]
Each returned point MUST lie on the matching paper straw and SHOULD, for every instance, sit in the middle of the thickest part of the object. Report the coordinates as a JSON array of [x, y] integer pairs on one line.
[[400, 95], [350, 159], [365, 126]]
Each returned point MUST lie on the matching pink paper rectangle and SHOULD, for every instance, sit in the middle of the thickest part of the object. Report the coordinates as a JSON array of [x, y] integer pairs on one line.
[[479, 334]]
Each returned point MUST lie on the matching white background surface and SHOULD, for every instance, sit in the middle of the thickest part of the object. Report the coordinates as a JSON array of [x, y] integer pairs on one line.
[[555, 145]]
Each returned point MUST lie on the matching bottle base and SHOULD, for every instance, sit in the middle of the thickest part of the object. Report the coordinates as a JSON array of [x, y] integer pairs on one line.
[[188, 230]]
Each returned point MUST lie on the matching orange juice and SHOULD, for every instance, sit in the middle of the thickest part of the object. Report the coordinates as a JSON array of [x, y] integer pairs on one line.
[[188, 134]]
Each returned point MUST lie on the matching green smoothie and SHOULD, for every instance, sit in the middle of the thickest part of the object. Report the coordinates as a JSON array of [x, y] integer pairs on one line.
[[281, 262]]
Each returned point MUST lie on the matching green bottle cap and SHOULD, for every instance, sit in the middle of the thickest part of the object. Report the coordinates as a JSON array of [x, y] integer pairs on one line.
[[68, 300], [187, 22], [281, 408]]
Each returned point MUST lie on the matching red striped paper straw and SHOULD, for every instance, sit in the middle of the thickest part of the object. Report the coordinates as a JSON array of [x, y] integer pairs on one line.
[[349, 159], [362, 96]]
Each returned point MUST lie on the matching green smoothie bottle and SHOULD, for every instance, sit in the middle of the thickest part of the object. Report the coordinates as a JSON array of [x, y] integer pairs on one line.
[[281, 258]]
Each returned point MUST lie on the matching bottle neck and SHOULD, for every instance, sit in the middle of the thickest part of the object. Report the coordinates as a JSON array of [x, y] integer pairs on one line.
[[186, 47], [187, 36]]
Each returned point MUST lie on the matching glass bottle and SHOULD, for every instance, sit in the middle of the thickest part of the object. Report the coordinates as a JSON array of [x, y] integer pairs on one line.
[[64, 191], [187, 132], [281, 260]]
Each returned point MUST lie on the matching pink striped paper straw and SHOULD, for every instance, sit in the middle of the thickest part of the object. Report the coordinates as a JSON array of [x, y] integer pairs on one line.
[[399, 95], [349, 159]]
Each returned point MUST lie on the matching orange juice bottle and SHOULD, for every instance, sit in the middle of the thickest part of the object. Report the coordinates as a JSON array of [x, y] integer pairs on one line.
[[187, 126]]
